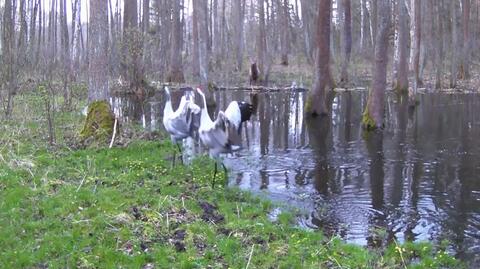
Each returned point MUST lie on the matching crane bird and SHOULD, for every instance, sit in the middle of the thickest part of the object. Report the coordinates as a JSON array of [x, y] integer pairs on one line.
[[218, 136], [180, 123]]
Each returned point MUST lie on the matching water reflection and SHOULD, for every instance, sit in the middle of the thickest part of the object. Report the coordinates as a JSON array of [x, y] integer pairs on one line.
[[416, 180]]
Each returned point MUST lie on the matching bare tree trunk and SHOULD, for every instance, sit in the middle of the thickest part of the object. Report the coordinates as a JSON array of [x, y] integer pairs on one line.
[[439, 43], [176, 68], [208, 25], [363, 25], [196, 41], [203, 41], [238, 16], [223, 31], [401, 84], [8, 56], [22, 36], [464, 66], [33, 29], [373, 116], [41, 33], [261, 41], [98, 47], [347, 40], [285, 36], [374, 20], [217, 38], [454, 63], [65, 52], [316, 100], [146, 16], [418, 37], [132, 48], [147, 56], [306, 21]]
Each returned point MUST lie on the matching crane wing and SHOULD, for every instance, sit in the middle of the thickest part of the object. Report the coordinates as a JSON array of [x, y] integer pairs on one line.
[[233, 114]]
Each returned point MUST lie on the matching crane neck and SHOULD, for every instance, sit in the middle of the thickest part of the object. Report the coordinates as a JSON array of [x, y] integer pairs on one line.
[[168, 107], [204, 115]]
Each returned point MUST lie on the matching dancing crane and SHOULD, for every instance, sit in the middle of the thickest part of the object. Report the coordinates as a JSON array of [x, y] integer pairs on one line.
[[180, 123], [218, 135]]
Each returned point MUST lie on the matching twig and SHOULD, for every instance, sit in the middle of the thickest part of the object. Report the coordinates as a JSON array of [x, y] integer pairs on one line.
[[114, 133], [250, 257], [81, 183]]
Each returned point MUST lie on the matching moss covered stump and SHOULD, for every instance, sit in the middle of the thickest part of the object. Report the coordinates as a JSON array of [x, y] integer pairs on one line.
[[99, 122]]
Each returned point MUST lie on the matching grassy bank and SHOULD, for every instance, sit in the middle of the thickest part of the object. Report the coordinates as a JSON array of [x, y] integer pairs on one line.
[[125, 207]]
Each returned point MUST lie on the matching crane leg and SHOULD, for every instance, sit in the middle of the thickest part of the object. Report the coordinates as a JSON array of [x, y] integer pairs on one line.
[[226, 171], [181, 153], [214, 175], [173, 159]]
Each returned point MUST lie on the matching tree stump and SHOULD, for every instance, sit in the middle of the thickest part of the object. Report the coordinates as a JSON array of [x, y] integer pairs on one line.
[[99, 123]]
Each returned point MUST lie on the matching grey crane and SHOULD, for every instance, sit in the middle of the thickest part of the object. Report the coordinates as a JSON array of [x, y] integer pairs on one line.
[[180, 123], [218, 136]]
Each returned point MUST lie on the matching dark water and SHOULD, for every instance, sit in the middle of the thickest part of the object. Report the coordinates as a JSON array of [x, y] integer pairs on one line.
[[419, 179]]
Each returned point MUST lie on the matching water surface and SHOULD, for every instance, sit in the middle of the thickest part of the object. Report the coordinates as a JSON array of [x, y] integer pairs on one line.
[[419, 179]]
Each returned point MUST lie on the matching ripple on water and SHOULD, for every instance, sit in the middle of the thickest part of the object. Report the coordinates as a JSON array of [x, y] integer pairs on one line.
[[420, 180]]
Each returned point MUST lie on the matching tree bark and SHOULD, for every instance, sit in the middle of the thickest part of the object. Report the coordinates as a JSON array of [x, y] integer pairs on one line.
[[439, 44], [316, 100], [196, 41], [374, 21], [176, 67], [205, 46], [146, 36], [465, 66], [306, 22], [98, 47], [8, 56], [217, 38], [132, 48], [22, 35], [285, 37], [200, 9], [401, 84], [347, 40], [33, 29], [418, 37], [76, 28], [65, 52], [238, 16], [261, 40], [373, 116], [454, 63]]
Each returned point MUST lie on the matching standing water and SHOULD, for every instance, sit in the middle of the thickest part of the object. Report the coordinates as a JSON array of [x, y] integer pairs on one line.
[[418, 179]]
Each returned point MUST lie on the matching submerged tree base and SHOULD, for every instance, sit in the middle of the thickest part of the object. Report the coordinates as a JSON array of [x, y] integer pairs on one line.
[[314, 111], [368, 122]]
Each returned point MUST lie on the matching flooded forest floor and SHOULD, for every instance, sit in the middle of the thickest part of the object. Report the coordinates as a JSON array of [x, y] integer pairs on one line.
[[64, 205]]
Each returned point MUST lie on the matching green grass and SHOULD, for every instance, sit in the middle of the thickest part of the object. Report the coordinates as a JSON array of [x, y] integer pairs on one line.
[[127, 208]]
